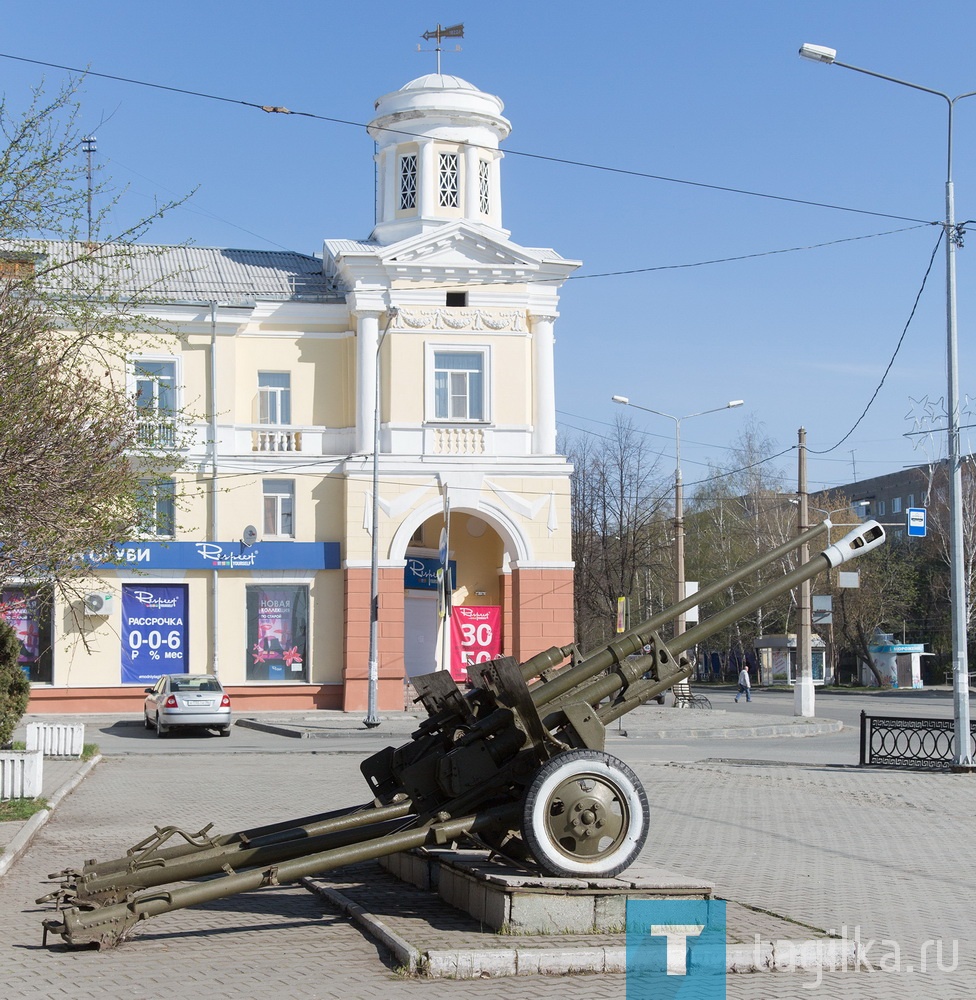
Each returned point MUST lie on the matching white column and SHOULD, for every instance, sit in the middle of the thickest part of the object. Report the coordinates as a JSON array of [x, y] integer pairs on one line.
[[367, 338], [470, 204], [426, 181], [544, 377], [388, 185], [495, 190]]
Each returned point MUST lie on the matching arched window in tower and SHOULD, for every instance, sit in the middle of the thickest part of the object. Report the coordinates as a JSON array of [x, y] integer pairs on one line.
[[448, 181], [408, 181], [484, 187]]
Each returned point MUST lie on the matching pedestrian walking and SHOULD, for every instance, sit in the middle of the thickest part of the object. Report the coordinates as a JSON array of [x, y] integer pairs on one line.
[[745, 685]]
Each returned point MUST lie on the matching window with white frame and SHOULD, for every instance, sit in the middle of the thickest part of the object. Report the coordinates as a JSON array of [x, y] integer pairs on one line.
[[157, 501], [279, 508], [896, 505], [484, 187], [881, 508], [449, 181], [408, 181], [156, 402], [274, 397], [459, 385]]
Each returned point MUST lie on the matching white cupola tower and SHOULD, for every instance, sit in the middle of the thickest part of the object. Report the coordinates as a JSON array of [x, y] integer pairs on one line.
[[437, 157]]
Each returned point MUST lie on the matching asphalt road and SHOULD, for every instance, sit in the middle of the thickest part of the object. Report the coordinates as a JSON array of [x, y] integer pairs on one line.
[[334, 732]]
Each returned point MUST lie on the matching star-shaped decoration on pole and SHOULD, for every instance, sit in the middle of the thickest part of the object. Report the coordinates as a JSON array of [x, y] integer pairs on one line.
[[925, 414]]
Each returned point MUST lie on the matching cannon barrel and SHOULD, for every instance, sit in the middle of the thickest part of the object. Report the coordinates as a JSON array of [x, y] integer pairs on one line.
[[517, 763], [636, 638], [863, 539]]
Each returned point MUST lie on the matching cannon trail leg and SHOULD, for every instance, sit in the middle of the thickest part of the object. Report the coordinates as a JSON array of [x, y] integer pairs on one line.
[[109, 925]]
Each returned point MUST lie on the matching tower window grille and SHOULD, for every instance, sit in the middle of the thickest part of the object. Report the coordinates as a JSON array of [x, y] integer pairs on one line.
[[448, 181], [408, 181], [484, 200]]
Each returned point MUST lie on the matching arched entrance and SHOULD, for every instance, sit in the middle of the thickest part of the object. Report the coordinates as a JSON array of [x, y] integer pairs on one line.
[[478, 559]]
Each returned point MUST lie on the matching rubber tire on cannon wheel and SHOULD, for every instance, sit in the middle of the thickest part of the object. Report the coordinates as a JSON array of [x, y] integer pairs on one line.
[[585, 813]]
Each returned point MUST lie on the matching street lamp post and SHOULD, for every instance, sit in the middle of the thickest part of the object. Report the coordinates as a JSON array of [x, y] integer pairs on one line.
[[953, 237], [372, 719], [679, 518]]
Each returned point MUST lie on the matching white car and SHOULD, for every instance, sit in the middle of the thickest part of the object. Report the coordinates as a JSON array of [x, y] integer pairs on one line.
[[180, 700]]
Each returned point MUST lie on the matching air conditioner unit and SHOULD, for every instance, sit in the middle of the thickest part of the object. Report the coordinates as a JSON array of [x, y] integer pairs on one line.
[[98, 603]]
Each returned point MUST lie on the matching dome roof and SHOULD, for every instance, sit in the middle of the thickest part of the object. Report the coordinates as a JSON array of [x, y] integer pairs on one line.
[[437, 94], [438, 81]]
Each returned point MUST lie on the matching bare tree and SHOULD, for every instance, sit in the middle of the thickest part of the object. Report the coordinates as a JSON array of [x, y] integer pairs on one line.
[[71, 463], [881, 601], [619, 524], [738, 512]]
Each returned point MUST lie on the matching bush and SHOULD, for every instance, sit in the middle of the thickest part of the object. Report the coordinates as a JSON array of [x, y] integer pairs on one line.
[[14, 684]]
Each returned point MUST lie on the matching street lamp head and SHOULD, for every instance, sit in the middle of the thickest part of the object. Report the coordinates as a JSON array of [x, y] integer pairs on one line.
[[735, 402], [621, 399], [818, 53]]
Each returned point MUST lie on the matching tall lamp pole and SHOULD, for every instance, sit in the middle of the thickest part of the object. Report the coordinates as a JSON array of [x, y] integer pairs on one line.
[[679, 514], [963, 757], [372, 720]]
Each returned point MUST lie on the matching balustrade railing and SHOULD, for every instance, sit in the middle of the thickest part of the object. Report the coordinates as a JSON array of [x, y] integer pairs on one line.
[[156, 433], [273, 438]]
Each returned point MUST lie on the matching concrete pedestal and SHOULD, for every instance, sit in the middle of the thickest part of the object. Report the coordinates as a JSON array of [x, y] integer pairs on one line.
[[519, 901]]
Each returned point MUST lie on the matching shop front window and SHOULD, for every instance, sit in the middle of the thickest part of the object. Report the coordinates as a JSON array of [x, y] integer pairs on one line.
[[28, 612], [277, 633]]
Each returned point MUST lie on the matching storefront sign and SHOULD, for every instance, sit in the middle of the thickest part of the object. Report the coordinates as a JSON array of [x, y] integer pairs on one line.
[[154, 631], [218, 555], [421, 574], [476, 637]]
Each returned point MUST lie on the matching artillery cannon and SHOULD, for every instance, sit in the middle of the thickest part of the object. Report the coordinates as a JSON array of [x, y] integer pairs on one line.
[[516, 763]]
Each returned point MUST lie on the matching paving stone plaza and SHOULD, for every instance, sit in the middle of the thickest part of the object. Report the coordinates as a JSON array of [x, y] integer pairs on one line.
[[794, 838]]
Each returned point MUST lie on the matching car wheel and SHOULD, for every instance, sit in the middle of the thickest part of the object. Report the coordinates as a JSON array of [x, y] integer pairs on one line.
[[224, 730], [161, 730], [146, 722]]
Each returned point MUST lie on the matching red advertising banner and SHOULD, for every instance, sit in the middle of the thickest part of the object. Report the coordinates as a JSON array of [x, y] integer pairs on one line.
[[476, 637]]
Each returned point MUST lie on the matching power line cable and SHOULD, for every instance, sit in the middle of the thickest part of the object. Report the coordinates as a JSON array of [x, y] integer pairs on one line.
[[894, 355], [566, 161]]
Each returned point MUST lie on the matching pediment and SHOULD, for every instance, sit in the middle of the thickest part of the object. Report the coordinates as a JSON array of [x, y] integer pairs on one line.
[[458, 246]]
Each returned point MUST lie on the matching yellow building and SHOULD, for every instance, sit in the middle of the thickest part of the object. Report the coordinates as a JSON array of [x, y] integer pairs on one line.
[[433, 338]]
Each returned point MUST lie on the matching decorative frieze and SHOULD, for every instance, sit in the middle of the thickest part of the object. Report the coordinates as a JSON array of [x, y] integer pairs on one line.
[[443, 318]]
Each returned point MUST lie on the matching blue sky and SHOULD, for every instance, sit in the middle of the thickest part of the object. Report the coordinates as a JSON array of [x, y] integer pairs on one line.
[[708, 92]]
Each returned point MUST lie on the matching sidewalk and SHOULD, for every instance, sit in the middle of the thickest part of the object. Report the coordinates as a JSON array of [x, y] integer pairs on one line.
[[60, 778], [823, 849], [650, 722]]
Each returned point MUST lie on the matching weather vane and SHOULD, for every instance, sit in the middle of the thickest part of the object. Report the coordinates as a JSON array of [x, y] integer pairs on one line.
[[454, 31]]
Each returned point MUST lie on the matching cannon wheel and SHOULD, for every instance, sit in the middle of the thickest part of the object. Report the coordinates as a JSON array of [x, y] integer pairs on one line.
[[585, 813]]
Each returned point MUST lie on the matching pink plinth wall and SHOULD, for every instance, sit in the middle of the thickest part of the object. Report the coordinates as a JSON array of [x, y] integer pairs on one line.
[[355, 671], [542, 610]]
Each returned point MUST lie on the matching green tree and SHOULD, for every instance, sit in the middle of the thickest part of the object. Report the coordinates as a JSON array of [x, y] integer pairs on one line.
[[14, 685]]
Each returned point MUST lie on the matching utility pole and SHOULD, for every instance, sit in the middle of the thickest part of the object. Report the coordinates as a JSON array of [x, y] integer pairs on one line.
[[803, 694]]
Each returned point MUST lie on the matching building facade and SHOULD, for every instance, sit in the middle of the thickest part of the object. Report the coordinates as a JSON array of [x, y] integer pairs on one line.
[[421, 358]]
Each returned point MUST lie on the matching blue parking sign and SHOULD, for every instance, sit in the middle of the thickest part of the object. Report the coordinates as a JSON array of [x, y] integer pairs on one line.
[[915, 521]]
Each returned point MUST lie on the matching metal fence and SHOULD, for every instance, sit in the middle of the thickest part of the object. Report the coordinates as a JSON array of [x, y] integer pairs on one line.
[[901, 741]]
